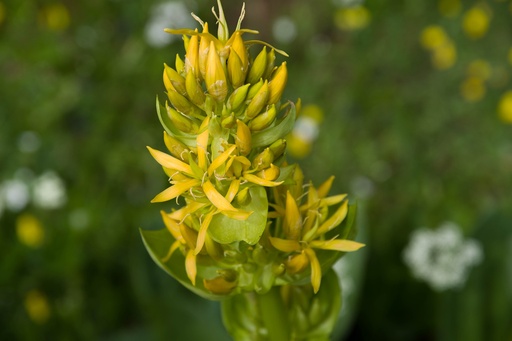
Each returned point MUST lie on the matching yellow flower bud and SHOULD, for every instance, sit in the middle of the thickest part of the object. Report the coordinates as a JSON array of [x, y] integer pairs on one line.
[[271, 173], [243, 138], [292, 218], [277, 84], [258, 102], [243, 197], [228, 121], [235, 70], [204, 47], [179, 64], [278, 148], [191, 58], [174, 78], [263, 159], [182, 104], [263, 120], [219, 285], [194, 90], [215, 77], [182, 122], [271, 57], [237, 98], [258, 67], [253, 90], [175, 147], [297, 263]]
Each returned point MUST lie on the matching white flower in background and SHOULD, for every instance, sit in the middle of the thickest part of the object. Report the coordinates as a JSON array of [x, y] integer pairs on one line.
[[172, 14], [49, 191], [284, 30], [15, 194], [442, 257]]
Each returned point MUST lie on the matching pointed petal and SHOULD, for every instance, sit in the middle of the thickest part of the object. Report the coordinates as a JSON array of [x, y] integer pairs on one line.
[[221, 159], [260, 181], [332, 200], [234, 186], [172, 226], [182, 213], [190, 266], [202, 231], [285, 245], [173, 248], [237, 215], [216, 198], [334, 220], [343, 245], [202, 144], [168, 161], [316, 269], [175, 190], [324, 188]]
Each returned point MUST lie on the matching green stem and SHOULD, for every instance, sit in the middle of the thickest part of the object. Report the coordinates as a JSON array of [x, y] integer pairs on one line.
[[274, 315]]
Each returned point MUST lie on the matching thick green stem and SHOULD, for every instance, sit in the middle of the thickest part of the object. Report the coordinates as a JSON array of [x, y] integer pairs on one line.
[[274, 315]]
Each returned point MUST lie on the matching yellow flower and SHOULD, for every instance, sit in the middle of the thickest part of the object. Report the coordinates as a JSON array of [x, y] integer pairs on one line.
[[55, 17], [37, 306], [29, 230], [433, 37], [473, 89], [476, 21], [444, 57], [352, 18], [505, 107]]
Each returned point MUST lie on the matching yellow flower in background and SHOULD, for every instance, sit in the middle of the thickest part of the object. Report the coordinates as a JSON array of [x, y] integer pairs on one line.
[[476, 21], [37, 306], [449, 8], [480, 68], [29, 230], [505, 107], [433, 37], [444, 57], [473, 89], [352, 18], [55, 17], [305, 131]]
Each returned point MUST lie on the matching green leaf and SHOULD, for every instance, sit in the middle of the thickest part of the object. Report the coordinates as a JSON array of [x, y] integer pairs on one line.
[[270, 135], [226, 230], [158, 242], [189, 140]]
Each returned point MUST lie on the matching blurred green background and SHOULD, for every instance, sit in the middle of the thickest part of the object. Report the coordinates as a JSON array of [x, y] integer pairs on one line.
[[409, 104]]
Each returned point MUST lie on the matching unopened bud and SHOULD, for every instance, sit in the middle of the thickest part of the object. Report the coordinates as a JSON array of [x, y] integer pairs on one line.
[[182, 104], [264, 119], [243, 138], [271, 173], [204, 47], [263, 159], [191, 57], [215, 77], [179, 63], [194, 90], [278, 147], [277, 84], [258, 102], [181, 122], [253, 90], [243, 197], [220, 285], [258, 67], [228, 122], [271, 57], [174, 78], [237, 98], [235, 70], [175, 147]]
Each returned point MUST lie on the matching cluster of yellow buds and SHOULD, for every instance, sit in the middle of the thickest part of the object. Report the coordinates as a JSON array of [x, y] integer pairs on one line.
[[243, 226]]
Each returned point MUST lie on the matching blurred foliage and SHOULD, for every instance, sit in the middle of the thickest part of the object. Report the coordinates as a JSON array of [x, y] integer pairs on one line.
[[400, 133]]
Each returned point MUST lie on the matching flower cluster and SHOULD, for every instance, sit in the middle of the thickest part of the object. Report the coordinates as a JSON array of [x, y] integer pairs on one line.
[[248, 221]]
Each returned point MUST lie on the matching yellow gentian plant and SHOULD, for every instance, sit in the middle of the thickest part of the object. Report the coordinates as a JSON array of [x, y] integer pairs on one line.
[[249, 231]]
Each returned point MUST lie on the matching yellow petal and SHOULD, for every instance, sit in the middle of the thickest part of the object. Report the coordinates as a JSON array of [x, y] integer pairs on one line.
[[234, 186], [324, 188], [202, 231], [202, 144], [285, 245], [332, 200], [342, 245], [172, 226], [334, 220], [292, 218], [175, 190], [190, 266], [259, 181], [216, 198], [220, 160], [182, 213], [173, 248], [237, 215], [168, 161], [316, 269]]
